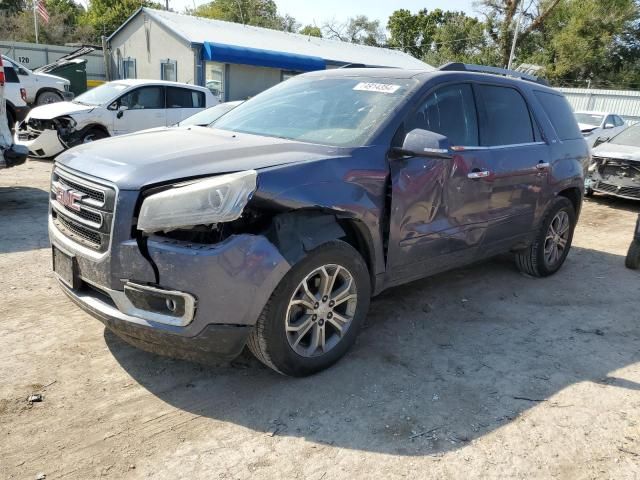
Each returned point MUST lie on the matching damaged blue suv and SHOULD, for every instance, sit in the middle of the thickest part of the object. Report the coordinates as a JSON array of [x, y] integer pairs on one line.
[[274, 227]]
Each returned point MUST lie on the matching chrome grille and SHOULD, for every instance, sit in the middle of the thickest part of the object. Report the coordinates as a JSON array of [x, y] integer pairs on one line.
[[82, 209]]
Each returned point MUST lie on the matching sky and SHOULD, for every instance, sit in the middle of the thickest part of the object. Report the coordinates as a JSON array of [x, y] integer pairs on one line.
[[310, 12]]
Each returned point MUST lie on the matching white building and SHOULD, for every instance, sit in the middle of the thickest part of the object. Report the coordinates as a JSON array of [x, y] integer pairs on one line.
[[625, 103], [235, 61]]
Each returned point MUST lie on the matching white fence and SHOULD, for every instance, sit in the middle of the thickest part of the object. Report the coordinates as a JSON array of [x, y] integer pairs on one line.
[[625, 103], [34, 55]]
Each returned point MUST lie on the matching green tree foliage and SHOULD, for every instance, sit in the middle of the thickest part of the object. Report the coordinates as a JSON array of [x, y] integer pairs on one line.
[[311, 31], [261, 13], [105, 16], [358, 29]]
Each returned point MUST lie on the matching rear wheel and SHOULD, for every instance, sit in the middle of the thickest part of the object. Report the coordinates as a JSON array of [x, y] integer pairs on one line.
[[93, 134], [633, 257], [314, 315], [552, 243], [44, 98]]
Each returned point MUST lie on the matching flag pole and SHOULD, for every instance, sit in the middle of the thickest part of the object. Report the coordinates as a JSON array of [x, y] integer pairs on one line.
[[35, 18]]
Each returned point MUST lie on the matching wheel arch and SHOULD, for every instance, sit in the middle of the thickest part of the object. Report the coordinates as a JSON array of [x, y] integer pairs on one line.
[[574, 195], [47, 89], [297, 232]]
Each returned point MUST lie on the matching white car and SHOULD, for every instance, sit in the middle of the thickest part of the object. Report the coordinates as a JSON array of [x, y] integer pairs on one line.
[[41, 88], [15, 96], [10, 155], [115, 108], [599, 124]]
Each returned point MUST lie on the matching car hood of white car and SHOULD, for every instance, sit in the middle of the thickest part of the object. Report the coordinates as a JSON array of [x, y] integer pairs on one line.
[[55, 78], [585, 127], [614, 150], [58, 109]]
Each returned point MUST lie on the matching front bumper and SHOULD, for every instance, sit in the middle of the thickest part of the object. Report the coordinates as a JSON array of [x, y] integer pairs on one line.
[[230, 283], [213, 344], [45, 145]]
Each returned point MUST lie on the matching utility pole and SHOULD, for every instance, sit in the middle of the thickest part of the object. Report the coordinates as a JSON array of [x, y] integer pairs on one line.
[[166, 5], [35, 18], [515, 35]]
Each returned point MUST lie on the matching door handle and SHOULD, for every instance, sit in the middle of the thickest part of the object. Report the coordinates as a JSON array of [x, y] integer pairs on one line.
[[478, 174], [543, 165]]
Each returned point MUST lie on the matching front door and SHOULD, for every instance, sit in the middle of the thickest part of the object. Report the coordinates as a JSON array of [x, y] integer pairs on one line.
[[439, 207], [518, 164], [145, 108]]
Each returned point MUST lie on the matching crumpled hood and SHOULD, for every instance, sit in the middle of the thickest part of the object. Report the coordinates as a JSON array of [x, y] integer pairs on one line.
[[621, 152], [584, 127], [163, 155], [53, 110]]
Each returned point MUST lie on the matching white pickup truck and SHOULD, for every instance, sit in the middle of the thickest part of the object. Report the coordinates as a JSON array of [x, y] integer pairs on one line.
[[10, 155], [41, 88]]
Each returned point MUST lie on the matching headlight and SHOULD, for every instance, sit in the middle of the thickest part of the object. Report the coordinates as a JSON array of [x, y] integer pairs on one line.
[[213, 200]]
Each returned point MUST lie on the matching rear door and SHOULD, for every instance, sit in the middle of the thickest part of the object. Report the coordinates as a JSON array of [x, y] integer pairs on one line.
[[518, 163], [439, 205], [145, 109], [182, 103]]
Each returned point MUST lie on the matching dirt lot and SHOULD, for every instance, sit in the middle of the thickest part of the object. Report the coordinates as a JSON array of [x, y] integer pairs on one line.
[[481, 372]]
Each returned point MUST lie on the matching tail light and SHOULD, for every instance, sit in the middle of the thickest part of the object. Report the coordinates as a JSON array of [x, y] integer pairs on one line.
[[23, 94], [1, 72]]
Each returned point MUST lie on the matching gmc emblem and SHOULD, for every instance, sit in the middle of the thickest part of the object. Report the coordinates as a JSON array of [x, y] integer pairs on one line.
[[68, 198]]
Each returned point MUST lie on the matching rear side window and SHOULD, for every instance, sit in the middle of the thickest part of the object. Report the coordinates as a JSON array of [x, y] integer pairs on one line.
[[184, 98], [559, 112], [450, 111], [506, 119], [10, 74]]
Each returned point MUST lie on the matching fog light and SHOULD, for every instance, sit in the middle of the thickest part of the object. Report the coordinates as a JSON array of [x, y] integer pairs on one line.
[[172, 306], [160, 305]]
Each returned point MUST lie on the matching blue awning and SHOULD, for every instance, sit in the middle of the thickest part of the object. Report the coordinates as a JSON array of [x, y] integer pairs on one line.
[[219, 52]]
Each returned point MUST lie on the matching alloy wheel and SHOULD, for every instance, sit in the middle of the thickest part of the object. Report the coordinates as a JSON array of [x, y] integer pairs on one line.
[[321, 310], [557, 238]]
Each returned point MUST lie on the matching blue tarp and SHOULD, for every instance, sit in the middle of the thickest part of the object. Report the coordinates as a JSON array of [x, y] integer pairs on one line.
[[219, 52]]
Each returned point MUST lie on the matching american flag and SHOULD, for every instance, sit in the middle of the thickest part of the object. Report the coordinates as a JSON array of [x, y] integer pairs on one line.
[[42, 10]]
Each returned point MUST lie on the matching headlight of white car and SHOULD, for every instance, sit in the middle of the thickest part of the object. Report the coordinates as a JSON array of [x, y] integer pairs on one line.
[[213, 200]]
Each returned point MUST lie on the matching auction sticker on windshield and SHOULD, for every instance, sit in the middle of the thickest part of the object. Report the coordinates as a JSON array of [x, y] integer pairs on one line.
[[376, 87]]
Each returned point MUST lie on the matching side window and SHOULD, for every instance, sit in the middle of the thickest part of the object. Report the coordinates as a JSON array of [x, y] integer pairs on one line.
[[169, 70], [129, 68], [144, 98], [560, 115], [449, 111], [10, 74], [619, 122], [506, 119], [184, 98]]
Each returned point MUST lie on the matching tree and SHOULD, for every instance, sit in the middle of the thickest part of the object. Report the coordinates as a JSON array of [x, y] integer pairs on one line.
[[105, 16], [261, 13], [356, 30], [311, 31], [502, 15]]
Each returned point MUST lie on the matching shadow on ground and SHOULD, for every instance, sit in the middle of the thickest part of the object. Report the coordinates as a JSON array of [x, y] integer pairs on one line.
[[23, 219], [439, 363]]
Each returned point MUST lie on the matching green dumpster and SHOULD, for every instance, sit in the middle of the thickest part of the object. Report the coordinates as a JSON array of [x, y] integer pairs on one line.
[[74, 70]]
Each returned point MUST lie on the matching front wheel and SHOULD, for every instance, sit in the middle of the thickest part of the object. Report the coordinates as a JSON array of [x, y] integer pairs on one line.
[[314, 315], [92, 135], [633, 256], [48, 97], [552, 243]]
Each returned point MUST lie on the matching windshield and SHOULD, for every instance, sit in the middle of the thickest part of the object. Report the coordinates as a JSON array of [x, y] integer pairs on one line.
[[630, 136], [337, 111], [209, 115], [592, 119], [101, 95]]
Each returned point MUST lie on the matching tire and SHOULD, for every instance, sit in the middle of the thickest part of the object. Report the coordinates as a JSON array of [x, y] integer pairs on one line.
[[47, 97], [92, 135], [588, 192], [537, 262], [283, 337], [633, 257], [11, 120]]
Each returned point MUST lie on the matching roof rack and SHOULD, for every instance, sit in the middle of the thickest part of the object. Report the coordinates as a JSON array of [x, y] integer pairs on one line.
[[467, 67]]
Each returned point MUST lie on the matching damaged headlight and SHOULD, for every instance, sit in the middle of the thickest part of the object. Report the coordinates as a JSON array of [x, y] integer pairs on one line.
[[201, 202]]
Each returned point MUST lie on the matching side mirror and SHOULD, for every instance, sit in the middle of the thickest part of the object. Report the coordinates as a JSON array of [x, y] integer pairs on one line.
[[608, 125], [121, 110], [424, 143], [600, 141]]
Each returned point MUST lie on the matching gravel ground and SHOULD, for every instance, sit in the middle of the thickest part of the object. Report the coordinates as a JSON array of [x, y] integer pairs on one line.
[[480, 372]]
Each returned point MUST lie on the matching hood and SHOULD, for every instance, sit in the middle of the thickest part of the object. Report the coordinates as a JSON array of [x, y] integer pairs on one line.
[[620, 152], [168, 154], [53, 110], [54, 78], [585, 127]]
